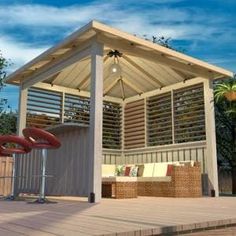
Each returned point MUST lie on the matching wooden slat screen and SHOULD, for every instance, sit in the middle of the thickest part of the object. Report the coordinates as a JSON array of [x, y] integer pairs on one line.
[[134, 121], [189, 114], [43, 108], [111, 125], [159, 120], [76, 109]]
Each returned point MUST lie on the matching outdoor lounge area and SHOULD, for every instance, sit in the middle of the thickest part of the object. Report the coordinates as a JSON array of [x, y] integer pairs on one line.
[[134, 118], [165, 179]]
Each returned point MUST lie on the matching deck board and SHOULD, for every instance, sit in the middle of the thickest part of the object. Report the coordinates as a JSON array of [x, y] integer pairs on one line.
[[141, 216]]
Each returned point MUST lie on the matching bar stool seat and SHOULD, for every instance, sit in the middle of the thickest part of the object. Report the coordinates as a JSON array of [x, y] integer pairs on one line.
[[23, 147], [41, 139], [10, 145]]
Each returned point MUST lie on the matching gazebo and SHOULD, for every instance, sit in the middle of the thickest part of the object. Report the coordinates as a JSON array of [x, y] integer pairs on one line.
[[133, 101]]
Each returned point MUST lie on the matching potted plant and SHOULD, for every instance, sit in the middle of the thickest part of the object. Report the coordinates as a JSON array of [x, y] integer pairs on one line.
[[226, 125], [226, 89]]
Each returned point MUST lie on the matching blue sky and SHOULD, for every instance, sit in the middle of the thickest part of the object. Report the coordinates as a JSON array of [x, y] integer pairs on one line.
[[206, 29]]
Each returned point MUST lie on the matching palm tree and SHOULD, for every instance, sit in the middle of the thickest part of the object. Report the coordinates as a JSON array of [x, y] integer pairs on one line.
[[225, 95]]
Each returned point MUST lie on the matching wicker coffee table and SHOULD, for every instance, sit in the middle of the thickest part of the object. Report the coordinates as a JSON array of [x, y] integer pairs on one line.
[[119, 187]]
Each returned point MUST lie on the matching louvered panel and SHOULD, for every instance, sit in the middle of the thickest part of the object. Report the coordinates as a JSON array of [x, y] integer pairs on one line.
[[43, 108], [76, 109], [159, 119], [111, 125], [189, 114], [134, 125]]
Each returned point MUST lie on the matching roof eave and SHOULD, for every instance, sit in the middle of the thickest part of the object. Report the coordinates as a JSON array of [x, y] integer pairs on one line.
[[221, 73]]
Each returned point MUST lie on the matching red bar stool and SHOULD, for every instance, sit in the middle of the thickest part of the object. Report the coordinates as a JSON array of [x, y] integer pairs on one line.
[[41, 139], [12, 145]]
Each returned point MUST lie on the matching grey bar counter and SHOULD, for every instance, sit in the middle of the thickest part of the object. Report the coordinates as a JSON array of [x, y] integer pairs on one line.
[[67, 165]]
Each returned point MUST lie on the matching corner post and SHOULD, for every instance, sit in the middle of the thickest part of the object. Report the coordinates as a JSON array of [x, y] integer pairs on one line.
[[211, 153], [22, 109], [96, 121]]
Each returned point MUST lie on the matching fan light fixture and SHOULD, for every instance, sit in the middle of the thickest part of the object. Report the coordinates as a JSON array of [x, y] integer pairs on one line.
[[115, 69]]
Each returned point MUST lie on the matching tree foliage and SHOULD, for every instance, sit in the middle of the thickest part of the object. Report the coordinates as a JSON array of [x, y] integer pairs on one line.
[[224, 135], [163, 41], [8, 122], [7, 119], [4, 63]]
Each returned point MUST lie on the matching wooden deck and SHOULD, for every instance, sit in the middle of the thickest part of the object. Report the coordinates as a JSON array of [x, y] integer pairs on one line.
[[141, 216]]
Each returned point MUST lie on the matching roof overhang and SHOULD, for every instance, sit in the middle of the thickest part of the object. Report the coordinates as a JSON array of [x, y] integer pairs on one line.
[[116, 39]]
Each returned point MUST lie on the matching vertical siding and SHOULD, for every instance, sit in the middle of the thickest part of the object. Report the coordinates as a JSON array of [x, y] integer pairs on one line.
[[68, 165], [195, 152]]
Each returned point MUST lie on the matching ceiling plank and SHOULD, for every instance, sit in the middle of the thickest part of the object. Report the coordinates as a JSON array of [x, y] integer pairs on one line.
[[83, 82], [159, 71], [138, 77], [181, 74], [63, 74], [69, 73], [78, 73], [109, 88], [57, 66], [132, 86], [134, 64]]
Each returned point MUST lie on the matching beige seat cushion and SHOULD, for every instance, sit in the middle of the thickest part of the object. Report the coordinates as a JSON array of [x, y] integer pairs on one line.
[[108, 170], [191, 163], [119, 179], [160, 169], [154, 179], [148, 170]]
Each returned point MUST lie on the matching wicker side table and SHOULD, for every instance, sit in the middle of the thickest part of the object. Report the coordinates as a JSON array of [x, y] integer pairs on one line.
[[119, 187]]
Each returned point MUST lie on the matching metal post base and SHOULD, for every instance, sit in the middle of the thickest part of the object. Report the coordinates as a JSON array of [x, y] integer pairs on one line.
[[10, 198], [42, 201]]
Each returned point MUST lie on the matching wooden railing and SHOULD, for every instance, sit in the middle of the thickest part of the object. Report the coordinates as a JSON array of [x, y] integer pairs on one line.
[[5, 175]]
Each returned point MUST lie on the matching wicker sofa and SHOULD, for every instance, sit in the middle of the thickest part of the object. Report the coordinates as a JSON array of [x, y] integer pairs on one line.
[[183, 179]]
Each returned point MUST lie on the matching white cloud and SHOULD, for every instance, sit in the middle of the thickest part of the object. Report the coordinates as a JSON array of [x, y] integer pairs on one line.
[[172, 22], [42, 15], [19, 53]]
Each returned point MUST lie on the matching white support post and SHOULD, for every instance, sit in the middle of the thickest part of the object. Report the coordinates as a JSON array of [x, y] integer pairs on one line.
[[95, 128], [145, 122], [22, 108], [122, 132], [172, 117], [62, 107], [211, 154]]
